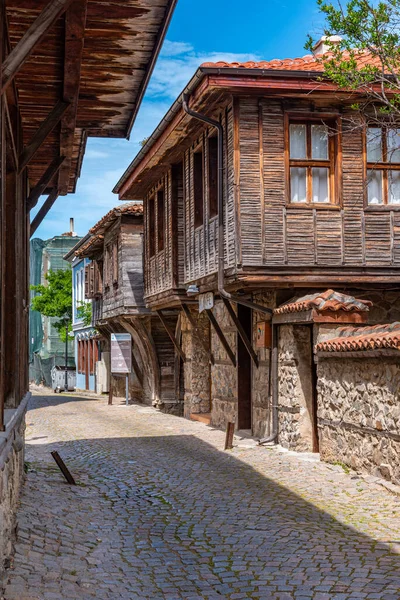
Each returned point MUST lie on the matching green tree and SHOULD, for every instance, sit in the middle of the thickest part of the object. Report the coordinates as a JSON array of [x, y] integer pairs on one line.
[[367, 30], [55, 299], [85, 313]]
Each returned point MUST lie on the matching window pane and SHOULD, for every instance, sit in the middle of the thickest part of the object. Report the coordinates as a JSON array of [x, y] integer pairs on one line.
[[374, 144], [298, 180], [394, 187], [320, 185], [375, 187], [319, 142], [298, 141], [393, 145]]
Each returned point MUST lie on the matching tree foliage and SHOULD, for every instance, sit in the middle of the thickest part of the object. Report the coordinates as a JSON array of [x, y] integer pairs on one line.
[[367, 30], [55, 299], [85, 313]]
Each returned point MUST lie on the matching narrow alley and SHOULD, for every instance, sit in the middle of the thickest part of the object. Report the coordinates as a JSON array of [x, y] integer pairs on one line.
[[162, 512]]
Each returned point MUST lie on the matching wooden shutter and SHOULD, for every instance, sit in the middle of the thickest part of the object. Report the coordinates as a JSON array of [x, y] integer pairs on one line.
[[87, 276]]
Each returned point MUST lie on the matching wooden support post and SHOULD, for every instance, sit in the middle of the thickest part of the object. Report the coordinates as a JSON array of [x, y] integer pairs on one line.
[[43, 211], [63, 468], [41, 134], [197, 333], [43, 183], [230, 429], [171, 335], [3, 173], [241, 332], [221, 336], [21, 52], [136, 369], [75, 23]]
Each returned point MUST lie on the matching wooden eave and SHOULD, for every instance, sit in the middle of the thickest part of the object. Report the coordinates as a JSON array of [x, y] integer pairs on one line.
[[99, 56], [206, 85]]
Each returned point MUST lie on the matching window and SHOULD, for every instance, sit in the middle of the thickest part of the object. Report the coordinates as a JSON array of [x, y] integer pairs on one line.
[[383, 166], [152, 233], [198, 188], [212, 177], [115, 263], [311, 163], [160, 219], [107, 267]]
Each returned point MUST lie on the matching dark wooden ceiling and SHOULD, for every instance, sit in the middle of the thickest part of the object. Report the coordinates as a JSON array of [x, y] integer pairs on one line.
[[121, 40]]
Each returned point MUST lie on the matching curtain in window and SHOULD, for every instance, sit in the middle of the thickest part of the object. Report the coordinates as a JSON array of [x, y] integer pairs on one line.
[[375, 187], [298, 184], [319, 142], [320, 191], [298, 141], [393, 145], [374, 144], [394, 187]]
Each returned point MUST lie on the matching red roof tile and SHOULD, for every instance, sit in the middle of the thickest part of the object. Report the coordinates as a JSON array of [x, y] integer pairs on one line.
[[131, 208], [95, 241], [324, 301], [305, 63], [352, 339]]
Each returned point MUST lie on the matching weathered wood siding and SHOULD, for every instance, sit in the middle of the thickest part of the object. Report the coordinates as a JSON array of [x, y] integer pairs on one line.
[[190, 252], [127, 295], [272, 232]]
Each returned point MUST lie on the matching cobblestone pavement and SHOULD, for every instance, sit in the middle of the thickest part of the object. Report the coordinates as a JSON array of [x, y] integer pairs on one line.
[[161, 512]]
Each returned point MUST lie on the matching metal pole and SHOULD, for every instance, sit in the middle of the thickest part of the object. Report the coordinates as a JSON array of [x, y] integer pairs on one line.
[[66, 358], [127, 390]]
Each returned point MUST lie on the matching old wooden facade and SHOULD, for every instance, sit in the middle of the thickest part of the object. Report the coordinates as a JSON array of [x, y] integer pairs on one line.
[[114, 284], [310, 202], [69, 69]]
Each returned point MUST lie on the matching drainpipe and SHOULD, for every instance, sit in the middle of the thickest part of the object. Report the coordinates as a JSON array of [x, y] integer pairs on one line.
[[221, 265], [221, 231]]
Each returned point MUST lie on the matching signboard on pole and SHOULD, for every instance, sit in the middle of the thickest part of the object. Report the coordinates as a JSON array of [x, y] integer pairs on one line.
[[121, 353]]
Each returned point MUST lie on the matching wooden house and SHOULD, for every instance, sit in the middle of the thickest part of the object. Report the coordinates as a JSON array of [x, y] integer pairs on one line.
[[70, 69], [304, 198], [114, 284]]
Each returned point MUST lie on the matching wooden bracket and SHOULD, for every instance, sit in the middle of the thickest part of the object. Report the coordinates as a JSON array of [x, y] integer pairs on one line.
[[44, 181], [171, 335], [43, 211], [221, 336], [197, 333], [41, 134], [241, 332], [24, 48]]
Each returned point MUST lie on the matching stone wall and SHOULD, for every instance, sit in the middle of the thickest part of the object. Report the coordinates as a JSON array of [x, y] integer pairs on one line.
[[224, 375], [197, 398], [295, 387], [359, 413], [11, 477]]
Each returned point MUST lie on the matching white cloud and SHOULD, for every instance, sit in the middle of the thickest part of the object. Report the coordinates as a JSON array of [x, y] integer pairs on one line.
[[178, 63]]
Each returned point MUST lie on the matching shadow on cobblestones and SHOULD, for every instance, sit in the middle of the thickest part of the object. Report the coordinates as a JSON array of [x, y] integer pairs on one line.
[[160, 515]]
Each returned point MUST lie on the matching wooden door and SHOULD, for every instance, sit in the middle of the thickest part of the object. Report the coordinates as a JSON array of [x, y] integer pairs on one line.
[[244, 371]]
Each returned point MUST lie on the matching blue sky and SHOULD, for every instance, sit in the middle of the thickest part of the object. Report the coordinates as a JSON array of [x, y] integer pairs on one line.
[[201, 30]]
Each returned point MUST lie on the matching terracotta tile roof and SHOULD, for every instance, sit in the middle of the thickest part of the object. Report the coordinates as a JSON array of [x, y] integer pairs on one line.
[[324, 301], [131, 208], [304, 63], [353, 339], [95, 240]]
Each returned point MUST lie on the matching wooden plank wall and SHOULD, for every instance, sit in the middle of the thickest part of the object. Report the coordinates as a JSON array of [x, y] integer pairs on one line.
[[131, 265], [274, 233], [197, 252]]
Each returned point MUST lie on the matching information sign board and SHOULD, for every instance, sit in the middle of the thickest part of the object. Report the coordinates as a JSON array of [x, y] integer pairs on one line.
[[121, 353]]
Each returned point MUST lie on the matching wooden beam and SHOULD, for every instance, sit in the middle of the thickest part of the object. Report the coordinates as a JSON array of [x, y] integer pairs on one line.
[[197, 333], [44, 210], [44, 181], [75, 23], [241, 332], [41, 134], [221, 336], [171, 335], [136, 369], [21, 52], [3, 172]]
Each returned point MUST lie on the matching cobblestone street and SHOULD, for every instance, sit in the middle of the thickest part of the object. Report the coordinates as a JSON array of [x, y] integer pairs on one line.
[[161, 511]]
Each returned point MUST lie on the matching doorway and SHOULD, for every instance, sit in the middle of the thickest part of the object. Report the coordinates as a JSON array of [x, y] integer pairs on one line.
[[244, 371]]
